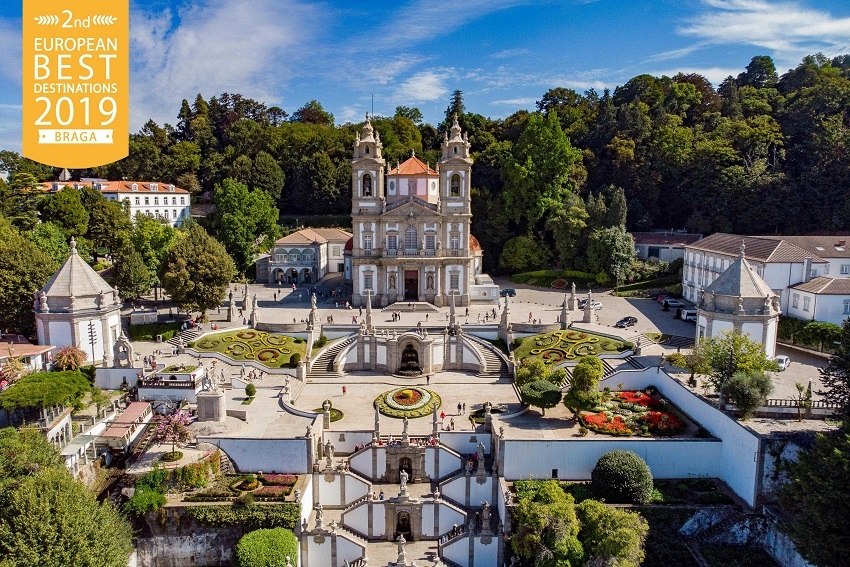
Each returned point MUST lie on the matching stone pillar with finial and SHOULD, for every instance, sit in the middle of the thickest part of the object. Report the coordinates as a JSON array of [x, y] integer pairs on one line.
[[565, 316], [452, 316], [505, 322], [588, 308], [435, 425], [377, 422], [369, 327]]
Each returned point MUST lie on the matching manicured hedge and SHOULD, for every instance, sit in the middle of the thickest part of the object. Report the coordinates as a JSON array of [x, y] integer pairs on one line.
[[622, 477], [44, 389], [266, 548]]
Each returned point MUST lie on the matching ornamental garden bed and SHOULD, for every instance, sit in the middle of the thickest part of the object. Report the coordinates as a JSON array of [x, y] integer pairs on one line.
[[571, 344], [633, 413], [409, 401], [266, 487], [269, 349]]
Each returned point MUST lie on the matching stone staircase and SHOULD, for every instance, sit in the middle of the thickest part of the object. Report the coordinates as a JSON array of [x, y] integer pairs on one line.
[[634, 363], [186, 336], [226, 467], [495, 367], [411, 307], [323, 367]]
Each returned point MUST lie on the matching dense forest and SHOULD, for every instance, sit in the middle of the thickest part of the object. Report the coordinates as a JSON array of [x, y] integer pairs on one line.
[[758, 154]]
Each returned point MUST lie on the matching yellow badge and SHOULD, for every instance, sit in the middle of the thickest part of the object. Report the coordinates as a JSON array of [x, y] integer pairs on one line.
[[76, 81]]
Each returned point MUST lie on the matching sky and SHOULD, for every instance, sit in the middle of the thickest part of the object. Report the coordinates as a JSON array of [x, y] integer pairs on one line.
[[358, 57]]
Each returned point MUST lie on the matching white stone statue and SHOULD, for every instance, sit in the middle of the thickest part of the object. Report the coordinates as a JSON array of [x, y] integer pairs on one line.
[[402, 479], [313, 301], [480, 452], [320, 515], [329, 449], [485, 515], [402, 556], [405, 427]]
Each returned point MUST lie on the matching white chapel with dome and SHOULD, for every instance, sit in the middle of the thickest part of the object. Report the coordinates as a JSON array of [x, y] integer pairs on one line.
[[411, 227], [78, 308]]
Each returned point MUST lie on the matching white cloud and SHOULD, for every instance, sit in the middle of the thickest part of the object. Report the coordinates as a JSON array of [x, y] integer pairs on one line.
[[215, 48], [522, 101], [509, 53], [426, 86], [787, 30]]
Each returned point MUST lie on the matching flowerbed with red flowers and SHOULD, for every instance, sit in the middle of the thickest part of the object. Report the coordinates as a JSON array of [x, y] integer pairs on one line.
[[630, 413], [278, 479], [407, 397], [272, 492]]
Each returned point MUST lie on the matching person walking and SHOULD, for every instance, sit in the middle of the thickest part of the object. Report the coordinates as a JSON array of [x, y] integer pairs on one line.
[[344, 389], [459, 405], [464, 408]]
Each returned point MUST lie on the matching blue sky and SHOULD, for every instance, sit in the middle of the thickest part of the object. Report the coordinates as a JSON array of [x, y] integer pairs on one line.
[[503, 54]]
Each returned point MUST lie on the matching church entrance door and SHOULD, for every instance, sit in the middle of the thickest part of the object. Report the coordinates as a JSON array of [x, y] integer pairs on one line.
[[402, 525], [411, 285]]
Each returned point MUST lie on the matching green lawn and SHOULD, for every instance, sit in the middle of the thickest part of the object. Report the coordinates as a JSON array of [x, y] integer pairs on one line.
[[559, 346], [269, 349], [149, 331]]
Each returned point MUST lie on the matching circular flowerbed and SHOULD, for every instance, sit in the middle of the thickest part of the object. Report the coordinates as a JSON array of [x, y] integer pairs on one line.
[[631, 413], [171, 456], [409, 401]]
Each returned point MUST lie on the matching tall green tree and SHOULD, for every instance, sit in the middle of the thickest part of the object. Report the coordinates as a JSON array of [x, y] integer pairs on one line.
[[314, 113], [542, 394], [109, 221], [816, 500], [51, 240], [266, 175], [197, 271], [542, 170], [522, 254], [547, 528], [748, 390], [66, 210], [152, 239], [835, 376], [130, 273], [23, 271], [611, 536], [25, 197], [72, 528], [733, 352], [245, 220], [610, 250], [584, 387]]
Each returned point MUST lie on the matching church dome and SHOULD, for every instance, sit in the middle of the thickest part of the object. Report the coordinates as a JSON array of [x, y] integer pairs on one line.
[[739, 289]]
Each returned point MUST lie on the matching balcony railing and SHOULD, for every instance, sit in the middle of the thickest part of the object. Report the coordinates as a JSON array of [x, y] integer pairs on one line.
[[411, 252]]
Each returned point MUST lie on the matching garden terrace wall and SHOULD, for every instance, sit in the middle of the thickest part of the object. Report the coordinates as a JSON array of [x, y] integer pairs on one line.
[[739, 461], [465, 442], [338, 489], [267, 455]]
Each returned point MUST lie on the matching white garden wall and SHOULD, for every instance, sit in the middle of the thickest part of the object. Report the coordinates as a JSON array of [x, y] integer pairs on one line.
[[267, 455]]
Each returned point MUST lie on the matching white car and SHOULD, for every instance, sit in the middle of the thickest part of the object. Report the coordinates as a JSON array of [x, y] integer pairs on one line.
[[783, 361], [594, 305]]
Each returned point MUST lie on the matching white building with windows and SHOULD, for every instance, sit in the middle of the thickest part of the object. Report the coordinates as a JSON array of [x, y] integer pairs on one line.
[[159, 200], [821, 299], [304, 256], [411, 226]]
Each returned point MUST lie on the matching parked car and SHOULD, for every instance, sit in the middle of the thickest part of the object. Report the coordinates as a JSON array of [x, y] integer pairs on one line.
[[783, 361], [626, 322], [691, 318], [595, 305], [507, 292], [673, 303]]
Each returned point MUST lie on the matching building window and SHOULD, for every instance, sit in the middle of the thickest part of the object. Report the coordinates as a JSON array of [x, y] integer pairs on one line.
[[454, 281], [795, 300], [392, 241], [147, 201], [182, 200], [806, 301], [174, 200], [279, 258], [367, 185], [411, 236], [138, 201], [174, 213], [367, 281], [156, 200], [367, 241], [454, 241], [430, 241], [335, 250], [455, 185], [847, 306], [845, 269]]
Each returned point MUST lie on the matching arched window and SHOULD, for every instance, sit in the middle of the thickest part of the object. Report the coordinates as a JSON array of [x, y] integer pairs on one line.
[[367, 185], [455, 185], [367, 150], [455, 149]]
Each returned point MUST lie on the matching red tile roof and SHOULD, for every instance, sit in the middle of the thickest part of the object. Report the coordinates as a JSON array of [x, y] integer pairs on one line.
[[307, 236], [665, 238], [413, 166], [115, 186], [758, 248], [823, 246], [825, 286]]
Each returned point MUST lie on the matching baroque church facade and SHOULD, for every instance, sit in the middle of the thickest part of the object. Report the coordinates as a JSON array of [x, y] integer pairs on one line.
[[411, 227]]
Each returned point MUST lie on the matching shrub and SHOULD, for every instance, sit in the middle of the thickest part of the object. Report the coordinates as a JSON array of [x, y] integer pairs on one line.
[[266, 548], [144, 500], [622, 477], [321, 341], [542, 394], [284, 515], [584, 387], [295, 360], [69, 358], [748, 391], [250, 390], [245, 500]]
